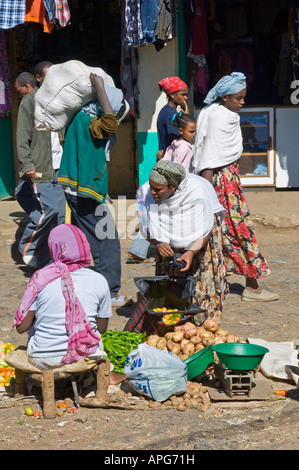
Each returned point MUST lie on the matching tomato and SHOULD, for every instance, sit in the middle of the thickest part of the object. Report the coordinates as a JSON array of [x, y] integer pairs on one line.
[[36, 414], [72, 410], [62, 405]]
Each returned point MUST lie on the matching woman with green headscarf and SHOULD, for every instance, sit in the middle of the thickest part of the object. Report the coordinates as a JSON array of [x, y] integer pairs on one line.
[[179, 213]]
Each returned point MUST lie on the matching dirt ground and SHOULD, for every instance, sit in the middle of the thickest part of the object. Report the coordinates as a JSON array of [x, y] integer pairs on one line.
[[228, 425]]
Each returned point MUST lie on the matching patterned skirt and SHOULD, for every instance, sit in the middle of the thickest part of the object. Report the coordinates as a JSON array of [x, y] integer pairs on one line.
[[209, 267], [240, 248]]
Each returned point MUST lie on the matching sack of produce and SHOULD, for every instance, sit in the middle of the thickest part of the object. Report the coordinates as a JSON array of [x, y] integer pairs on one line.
[[155, 373], [65, 89], [166, 301]]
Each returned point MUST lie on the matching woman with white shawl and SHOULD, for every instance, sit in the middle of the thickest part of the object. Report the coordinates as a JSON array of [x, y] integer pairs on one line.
[[218, 147], [177, 211]]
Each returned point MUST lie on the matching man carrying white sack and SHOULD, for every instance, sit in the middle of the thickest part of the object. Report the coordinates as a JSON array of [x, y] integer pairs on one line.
[[38, 192], [84, 175]]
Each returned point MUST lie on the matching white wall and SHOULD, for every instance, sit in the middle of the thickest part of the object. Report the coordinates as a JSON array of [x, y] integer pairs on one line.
[[153, 67]]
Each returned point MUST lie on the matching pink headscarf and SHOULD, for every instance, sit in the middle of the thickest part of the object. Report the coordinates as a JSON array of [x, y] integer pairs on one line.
[[70, 251], [171, 84]]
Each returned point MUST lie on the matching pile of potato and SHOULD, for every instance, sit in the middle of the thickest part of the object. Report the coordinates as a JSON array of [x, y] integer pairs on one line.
[[187, 339], [195, 397]]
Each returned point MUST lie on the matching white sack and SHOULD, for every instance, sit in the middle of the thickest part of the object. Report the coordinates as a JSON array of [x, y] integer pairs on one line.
[[66, 88], [276, 362]]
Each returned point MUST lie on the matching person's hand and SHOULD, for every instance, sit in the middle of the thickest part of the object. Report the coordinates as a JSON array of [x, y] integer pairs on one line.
[[160, 154], [164, 250], [31, 174], [96, 80], [185, 108], [188, 257]]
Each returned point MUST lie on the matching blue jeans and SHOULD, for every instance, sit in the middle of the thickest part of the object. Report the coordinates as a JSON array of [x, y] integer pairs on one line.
[[44, 203], [96, 222]]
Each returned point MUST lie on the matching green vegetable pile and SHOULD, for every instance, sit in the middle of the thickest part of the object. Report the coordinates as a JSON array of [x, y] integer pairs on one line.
[[118, 344]]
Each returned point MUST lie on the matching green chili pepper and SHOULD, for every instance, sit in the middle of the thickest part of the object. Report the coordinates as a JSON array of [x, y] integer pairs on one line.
[[119, 344]]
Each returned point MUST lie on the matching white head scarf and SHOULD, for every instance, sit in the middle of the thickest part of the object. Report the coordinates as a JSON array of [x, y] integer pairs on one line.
[[204, 156], [183, 218]]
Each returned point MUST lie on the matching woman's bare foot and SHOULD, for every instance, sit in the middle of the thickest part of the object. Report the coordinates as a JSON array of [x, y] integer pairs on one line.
[[252, 286], [116, 378]]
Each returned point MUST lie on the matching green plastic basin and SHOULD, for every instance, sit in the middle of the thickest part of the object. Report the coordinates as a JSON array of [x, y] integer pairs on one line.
[[240, 356], [198, 362]]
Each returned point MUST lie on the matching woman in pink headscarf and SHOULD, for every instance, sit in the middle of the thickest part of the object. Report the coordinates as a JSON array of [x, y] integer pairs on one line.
[[66, 306]]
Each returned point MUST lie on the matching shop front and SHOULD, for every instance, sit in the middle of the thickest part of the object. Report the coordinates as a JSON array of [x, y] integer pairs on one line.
[[260, 39], [215, 38]]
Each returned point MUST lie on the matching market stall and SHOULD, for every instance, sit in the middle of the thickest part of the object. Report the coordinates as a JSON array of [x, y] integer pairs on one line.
[[188, 368]]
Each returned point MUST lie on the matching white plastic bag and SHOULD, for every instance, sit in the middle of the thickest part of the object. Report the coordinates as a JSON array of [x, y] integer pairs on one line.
[[155, 373], [65, 89]]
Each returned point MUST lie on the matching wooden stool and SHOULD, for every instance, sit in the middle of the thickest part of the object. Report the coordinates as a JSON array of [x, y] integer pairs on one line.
[[47, 379]]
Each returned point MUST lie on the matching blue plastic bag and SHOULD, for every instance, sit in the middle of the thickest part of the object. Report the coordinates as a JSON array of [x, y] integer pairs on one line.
[[155, 373]]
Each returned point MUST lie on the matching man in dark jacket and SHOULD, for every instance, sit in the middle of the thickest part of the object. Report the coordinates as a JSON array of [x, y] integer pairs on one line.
[[37, 192]]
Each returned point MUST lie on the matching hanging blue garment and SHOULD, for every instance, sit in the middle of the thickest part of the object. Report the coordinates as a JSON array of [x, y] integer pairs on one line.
[[50, 7], [149, 14]]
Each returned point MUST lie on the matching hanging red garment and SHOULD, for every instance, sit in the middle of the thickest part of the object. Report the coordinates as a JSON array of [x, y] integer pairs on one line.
[[36, 13], [200, 43]]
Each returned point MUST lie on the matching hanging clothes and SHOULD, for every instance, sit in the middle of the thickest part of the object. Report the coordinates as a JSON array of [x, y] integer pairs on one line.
[[244, 62], [12, 13], [128, 78], [132, 22], [164, 24], [62, 13], [149, 14], [5, 91], [200, 42], [129, 69], [36, 13], [50, 7]]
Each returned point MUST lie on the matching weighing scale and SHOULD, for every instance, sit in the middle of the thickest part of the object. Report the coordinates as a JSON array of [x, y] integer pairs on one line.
[[235, 382], [237, 365]]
